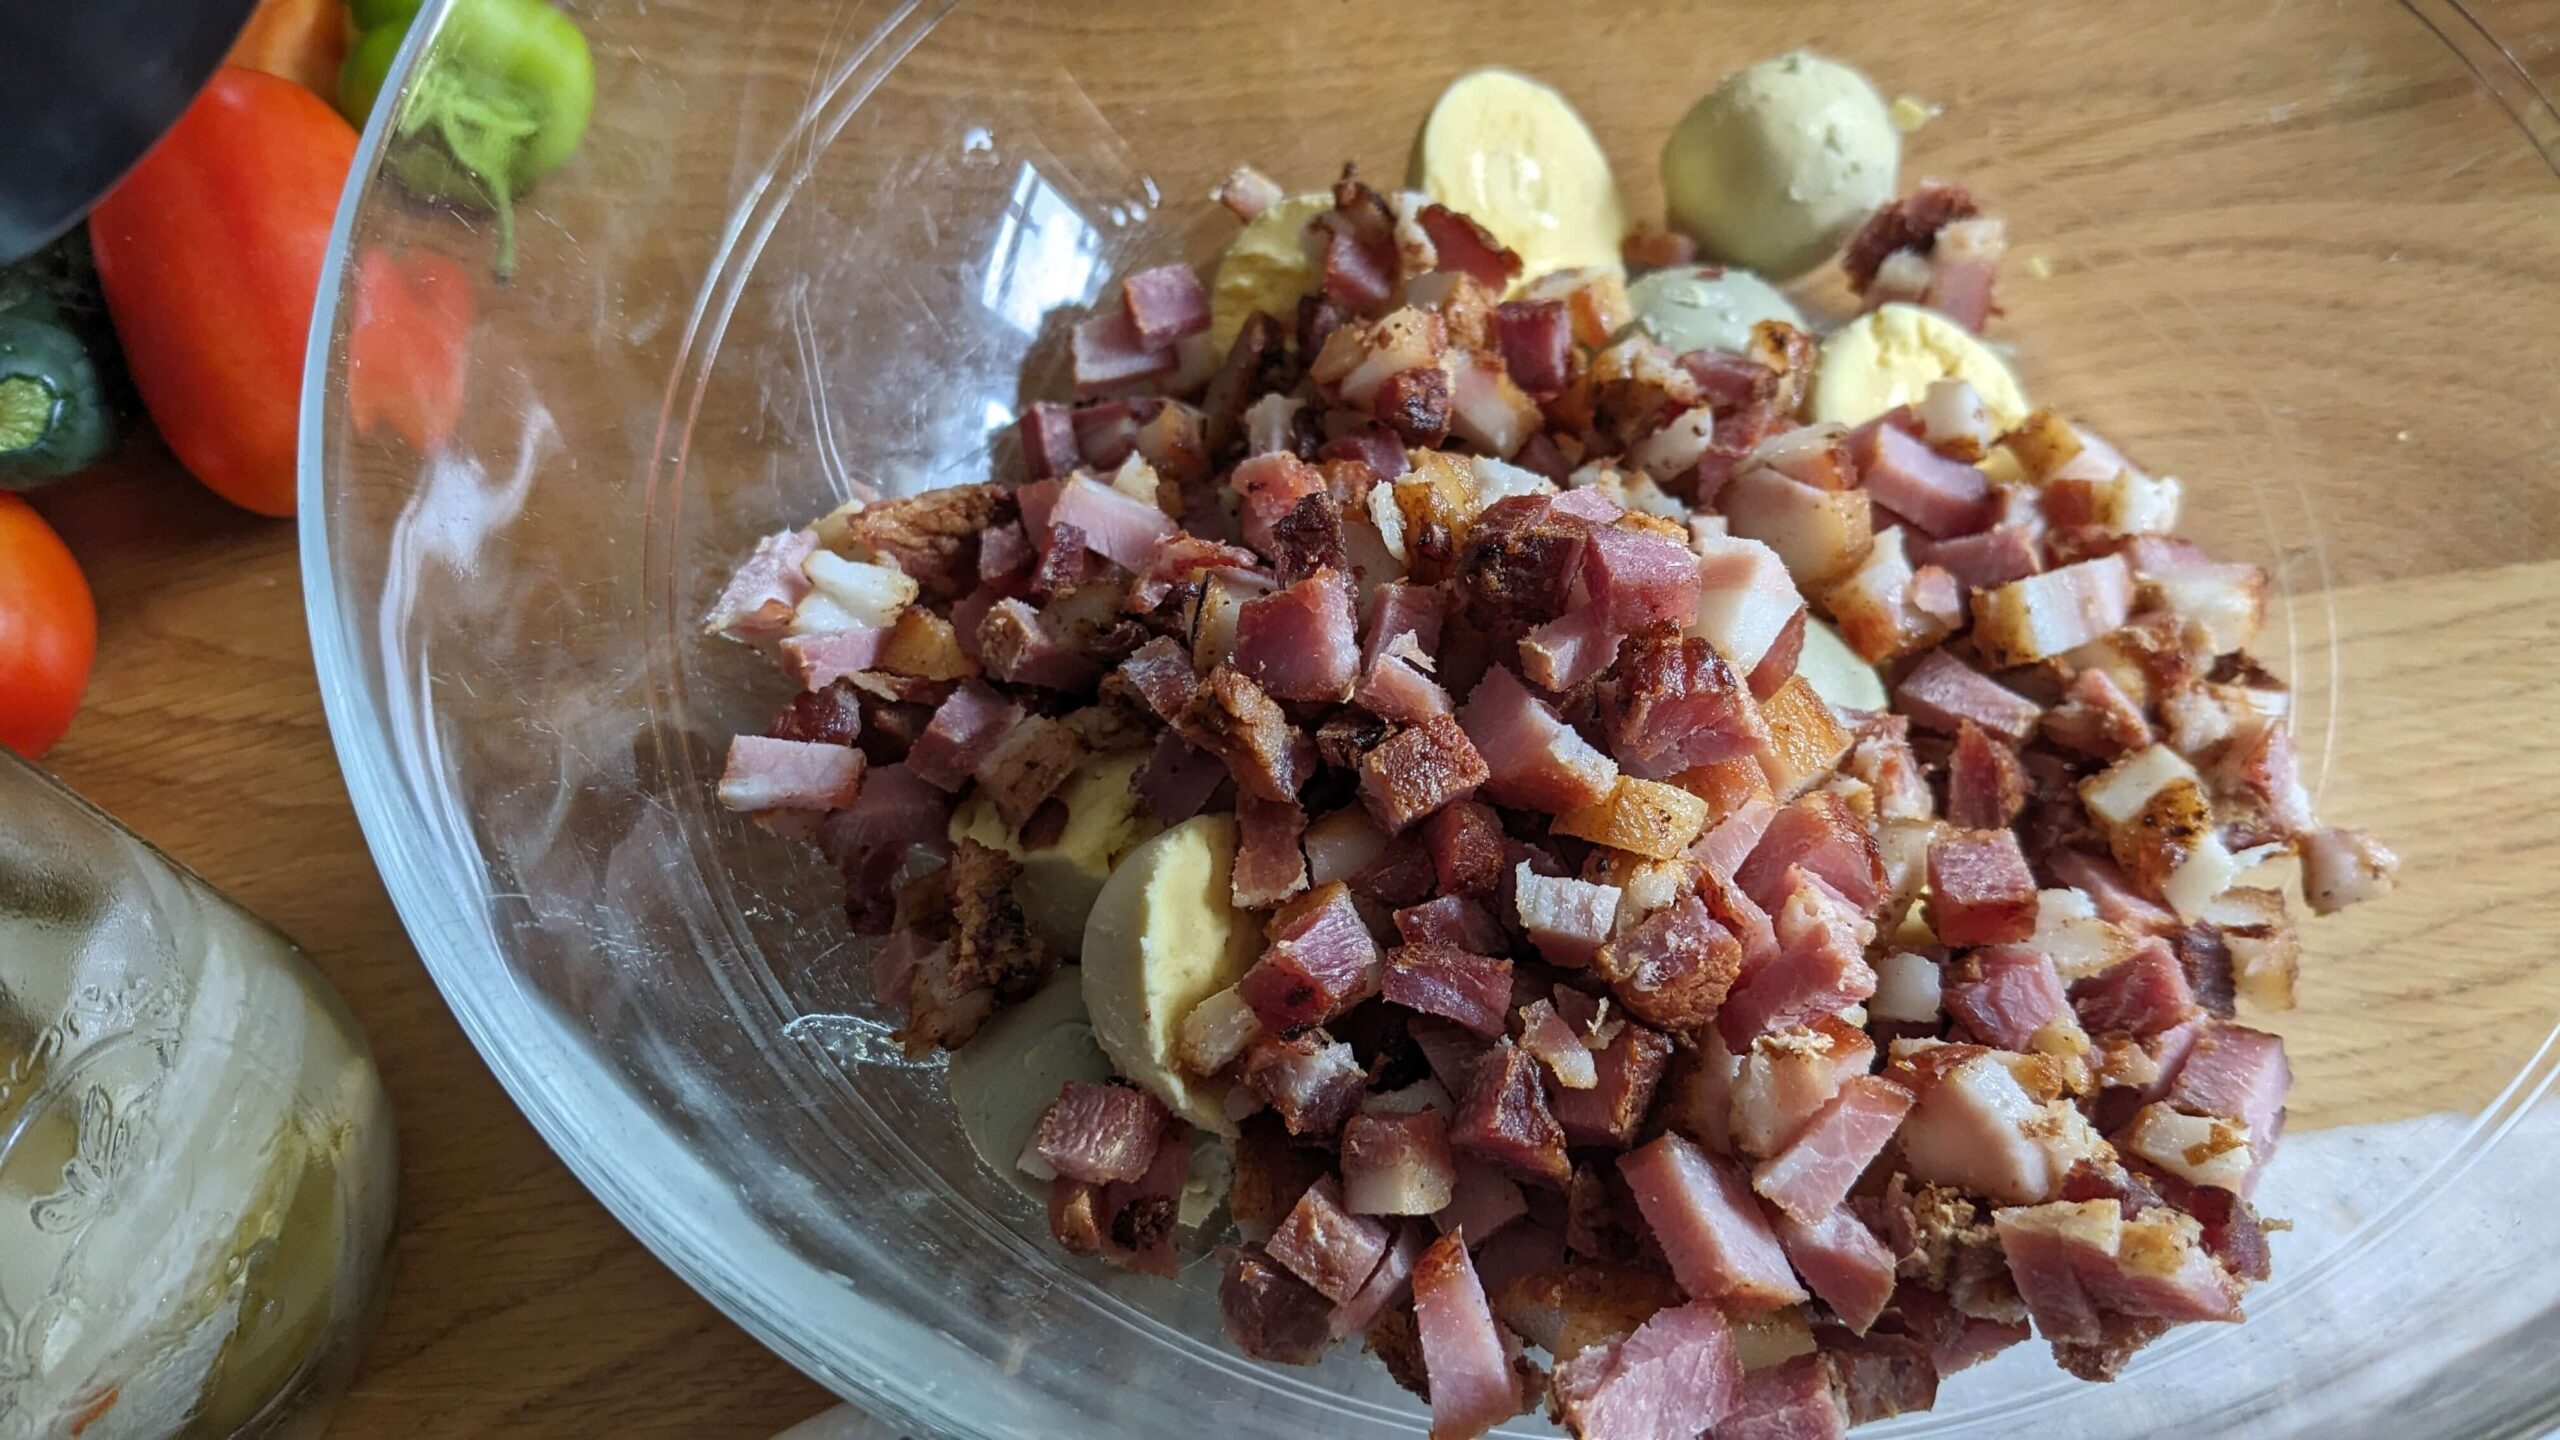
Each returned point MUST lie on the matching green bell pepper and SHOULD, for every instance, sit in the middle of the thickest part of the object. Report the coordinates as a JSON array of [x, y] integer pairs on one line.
[[501, 101]]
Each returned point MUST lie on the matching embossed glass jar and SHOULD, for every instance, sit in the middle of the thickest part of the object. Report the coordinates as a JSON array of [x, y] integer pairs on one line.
[[196, 1154]]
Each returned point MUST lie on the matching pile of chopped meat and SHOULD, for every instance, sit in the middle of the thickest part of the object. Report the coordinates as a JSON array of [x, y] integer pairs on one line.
[[1639, 1034]]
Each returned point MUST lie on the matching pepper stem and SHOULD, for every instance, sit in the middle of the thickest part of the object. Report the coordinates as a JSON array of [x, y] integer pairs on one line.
[[27, 409]]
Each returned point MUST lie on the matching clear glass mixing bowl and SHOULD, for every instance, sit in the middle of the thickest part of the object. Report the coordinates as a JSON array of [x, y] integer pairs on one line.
[[2305, 255]]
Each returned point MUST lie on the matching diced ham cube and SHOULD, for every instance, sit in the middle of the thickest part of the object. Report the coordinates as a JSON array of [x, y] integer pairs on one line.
[[1701, 1211], [1109, 352], [1465, 842], [1780, 1082], [1546, 1036], [1388, 1284], [1165, 303], [1677, 1376], [1822, 835], [1980, 890], [1472, 1389], [1986, 786], [2143, 994], [1313, 1080], [1842, 1262], [2009, 996], [1677, 705], [2077, 1262], [1326, 1244], [2239, 1074], [1627, 1071], [1270, 864], [1536, 340], [1301, 642], [1482, 1202], [1942, 691], [1820, 967], [1099, 1133], [1271, 1314], [1942, 497], [1320, 963], [1472, 989], [1674, 968], [1798, 1400], [1503, 1119], [1458, 921], [1124, 530], [1813, 1174], [1420, 770]]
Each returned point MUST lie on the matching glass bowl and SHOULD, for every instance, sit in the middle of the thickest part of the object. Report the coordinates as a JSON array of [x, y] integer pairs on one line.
[[2305, 256]]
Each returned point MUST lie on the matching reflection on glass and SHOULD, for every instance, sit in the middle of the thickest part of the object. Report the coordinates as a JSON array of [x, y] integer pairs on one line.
[[1043, 257]]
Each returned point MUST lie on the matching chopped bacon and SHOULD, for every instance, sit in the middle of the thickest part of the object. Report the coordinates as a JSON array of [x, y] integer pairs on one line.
[[1357, 276], [1942, 691], [1023, 646], [1820, 534], [1099, 1133], [1522, 559], [1536, 340], [1488, 410], [1798, 1400], [1545, 1035], [1627, 1071], [2343, 866], [1415, 774], [1404, 635], [1247, 192], [1457, 921], [1781, 1081], [1439, 979], [1463, 1352], [1326, 1244], [1482, 1201], [1465, 843], [1178, 779], [767, 774], [1569, 651], [1313, 1080], [1237, 720], [1397, 1164], [2239, 1074], [1910, 223], [1821, 834], [1301, 642], [1027, 764], [1974, 1127], [1503, 1119], [1340, 845], [1982, 561], [1813, 1174], [1123, 530], [1270, 864], [1639, 578], [1806, 739], [760, 598], [1677, 1376], [2118, 902], [1165, 303], [1533, 759], [2007, 995], [1841, 1261], [1109, 353], [1270, 485], [2077, 1262], [1677, 705], [1980, 890], [1388, 1285], [1271, 1314], [1468, 247], [2097, 718], [1674, 969], [1880, 607], [1568, 920], [2142, 994], [1963, 268], [1710, 1226], [1819, 968], [1320, 963], [1939, 496], [2049, 614]]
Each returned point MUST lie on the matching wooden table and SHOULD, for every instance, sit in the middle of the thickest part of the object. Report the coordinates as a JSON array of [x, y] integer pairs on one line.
[[521, 1308], [518, 1306]]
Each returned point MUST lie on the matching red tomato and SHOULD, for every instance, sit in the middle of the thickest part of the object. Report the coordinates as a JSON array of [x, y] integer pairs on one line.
[[210, 255], [48, 631]]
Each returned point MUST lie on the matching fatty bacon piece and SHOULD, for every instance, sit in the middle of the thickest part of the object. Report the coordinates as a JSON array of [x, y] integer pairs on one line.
[[1532, 758], [1327, 1245], [1301, 642], [1398, 660], [2078, 1263], [759, 600], [764, 774], [1677, 705]]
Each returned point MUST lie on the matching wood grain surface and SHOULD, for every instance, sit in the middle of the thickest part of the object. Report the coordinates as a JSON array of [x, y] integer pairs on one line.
[[520, 1308]]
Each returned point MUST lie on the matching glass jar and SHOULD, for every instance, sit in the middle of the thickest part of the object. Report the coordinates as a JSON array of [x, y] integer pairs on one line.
[[196, 1154]]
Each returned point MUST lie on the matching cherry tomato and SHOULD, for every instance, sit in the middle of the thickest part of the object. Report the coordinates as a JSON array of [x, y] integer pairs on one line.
[[48, 631]]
